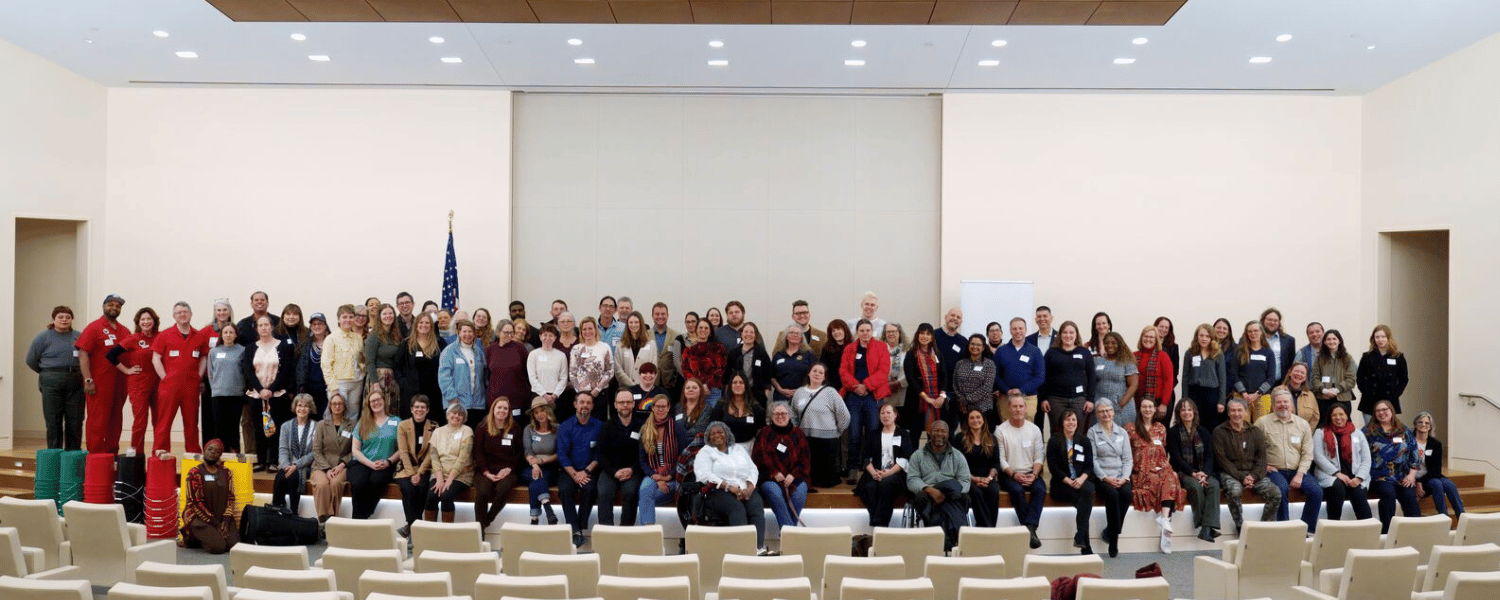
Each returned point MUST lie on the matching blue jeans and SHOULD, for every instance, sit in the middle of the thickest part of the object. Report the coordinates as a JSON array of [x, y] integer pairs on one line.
[[1310, 490], [1390, 493], [776, 500], [538, 487], [1443, 492], [864, 414], [1029, 512], [652, 497]]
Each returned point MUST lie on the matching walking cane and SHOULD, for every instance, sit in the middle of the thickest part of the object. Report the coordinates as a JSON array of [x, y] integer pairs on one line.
[[786, 491]]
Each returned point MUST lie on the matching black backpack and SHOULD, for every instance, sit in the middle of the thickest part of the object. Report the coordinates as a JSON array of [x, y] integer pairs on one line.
[[276, 526]]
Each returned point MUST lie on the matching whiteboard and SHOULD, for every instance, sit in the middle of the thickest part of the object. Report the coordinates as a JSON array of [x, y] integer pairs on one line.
[[998, 301]]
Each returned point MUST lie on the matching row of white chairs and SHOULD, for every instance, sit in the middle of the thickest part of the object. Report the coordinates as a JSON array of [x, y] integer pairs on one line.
[[93, 538]]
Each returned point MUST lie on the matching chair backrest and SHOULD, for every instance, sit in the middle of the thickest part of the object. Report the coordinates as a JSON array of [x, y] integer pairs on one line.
[[1014, 543], [614, 587], [1378, 574], [612, 541], [1014, 588], [131, 591], [1473, 529], [838, 568], [12, 559], [165, 575], [914, 545], [445, 537], [464, 567], [1334, 539], [712, 543], [288, 581], [946, 571], [363, 534], [421, 585], [1053, 567], [543, 587], [265, 595], [1447, 559], [38, 589], [347, 565], [38, 523], [98, 540], [856, 588], [761, 567], [651, 565], [582, 570], [1270, 557], [1467, 585], [1150, 588], [789, 588], [517, 538], [244, 556], [384, 596], [813, 544], [1420, 533]]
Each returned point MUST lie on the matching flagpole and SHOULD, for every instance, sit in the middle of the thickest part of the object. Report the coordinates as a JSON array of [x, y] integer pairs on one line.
[[450, 221]]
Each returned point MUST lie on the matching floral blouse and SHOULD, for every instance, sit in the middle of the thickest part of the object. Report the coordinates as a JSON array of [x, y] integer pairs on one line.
[[1391, 456], [590, 368]]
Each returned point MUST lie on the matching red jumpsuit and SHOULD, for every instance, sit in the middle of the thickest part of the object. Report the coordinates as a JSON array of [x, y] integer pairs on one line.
[[104, 409], [181, 358], [140, 388]]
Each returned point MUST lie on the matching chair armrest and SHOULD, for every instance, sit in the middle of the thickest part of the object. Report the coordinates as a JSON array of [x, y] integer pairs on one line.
[[34, 558], [1328, 580], [409, 565], [1385, 538], [1427, 596], [164, 551], [68, 572], [1306, 576], [317, 564], [137, 533], [485, 547], [345, 595], [1214, 579], [1421, 577], [1231, 550], [1302, 592], [1307, 549], [65, 553]]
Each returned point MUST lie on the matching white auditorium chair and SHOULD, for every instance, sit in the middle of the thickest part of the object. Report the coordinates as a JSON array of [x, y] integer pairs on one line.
[[131, 591], [175, 576], [1367, 575], [289, 581], [244, 556], [1013, 543], [1268, 562], [1475, 529], [545, 587], [17, 588], [1326, 548], [789, 588], [1012, 588], [519, 538], [582, 570], [946, 571], [347, 565], [838, 568], [912, 544], [615, 587], [101, 546], [711, 544], [814, 544], [855, 588], [464, 567], [445, 537], [418, 585], [1067, 565], [1466, 585], [40, 527], [1150, 588], [1445, 560], [26, 563], [652, 565]]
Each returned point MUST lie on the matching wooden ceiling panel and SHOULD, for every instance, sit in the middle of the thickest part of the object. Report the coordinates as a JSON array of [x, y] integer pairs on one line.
[[733, 12], [1135, 13], [652, 11], [798, 12], [415, 11], [972, 13], [892, 13], [493, 11], [1053, 12], [572, 11], [336, 10], [257, 10]]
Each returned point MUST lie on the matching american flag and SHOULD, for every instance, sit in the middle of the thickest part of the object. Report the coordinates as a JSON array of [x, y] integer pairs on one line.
[[450, 277]]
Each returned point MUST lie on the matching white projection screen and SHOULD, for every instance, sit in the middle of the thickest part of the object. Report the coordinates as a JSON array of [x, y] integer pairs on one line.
[[697, 200]]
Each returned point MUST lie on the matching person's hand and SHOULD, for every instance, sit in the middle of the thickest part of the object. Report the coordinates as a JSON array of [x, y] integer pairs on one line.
[[265, 394], [536, 472], [1342, 477], [1249, 480], [492, 476], [88, 388], [1046, 406], [1297, 481], [1270, 469], [133, 370], [1221, 408], [503, 474], [860, 389], [1409, 481], [1356, 482], [661, 486], [417, 478], [582, 477], [934, 494], [1421, 491], [1088, 406], [622, 474]]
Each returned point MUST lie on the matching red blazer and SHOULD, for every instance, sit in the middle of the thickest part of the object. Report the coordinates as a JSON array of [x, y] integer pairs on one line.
[[1164, 384], [877, 358]]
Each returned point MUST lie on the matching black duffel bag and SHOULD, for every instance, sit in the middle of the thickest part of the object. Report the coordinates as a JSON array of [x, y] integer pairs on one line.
[[276, 526]]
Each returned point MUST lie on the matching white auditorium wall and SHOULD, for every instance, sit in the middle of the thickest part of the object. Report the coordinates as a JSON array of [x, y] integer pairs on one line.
[[51, 167], [1431, 154], [1189, 206]]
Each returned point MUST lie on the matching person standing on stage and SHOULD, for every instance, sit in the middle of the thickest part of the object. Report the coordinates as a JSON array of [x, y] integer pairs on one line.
[[55, 359], [179, 355], [132, 356], [103, 384]]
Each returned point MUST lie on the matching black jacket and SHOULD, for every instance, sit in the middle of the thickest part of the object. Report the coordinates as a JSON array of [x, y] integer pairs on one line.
[[1180, 464], [910, 411], [761, 372], [1433, 460], [1379, 379], [903, 447], [286, 372], [619, 446], [1057, 458]]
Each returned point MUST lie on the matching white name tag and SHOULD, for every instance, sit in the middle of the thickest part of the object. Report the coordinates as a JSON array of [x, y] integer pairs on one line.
[[978, 368], [536, 438], [210, 477], [196, 354], [543, 358], [1398, 440], [457, 435], [419, 354], [896, 441], [637, 396], [346, 434], [1099, 367], [509, 436], [1078, 356], [1155, 442], [1197, 361], [635, 435], [592, 442], [750, 419], [1390, 361], [815, 338], [109, 342], [1025, 359], [1296, 439], [1327, 379], [1259, 357], [1078, 457], [288, 341], [220, 355], [213, 341], [739, 340], [75, 353], [1242, 445], [859, 357], [515, 412], [458, 361], [1079, 390], [781, 448], [757, 362], [778, 361], [679, 416], [956, 349], [172, 353], [1427, 452], [502, 442]]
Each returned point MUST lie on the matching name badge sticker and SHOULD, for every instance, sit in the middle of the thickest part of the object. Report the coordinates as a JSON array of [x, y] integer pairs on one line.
[[1197, 361], [1099, 367], [592, 442], [502, 442], [1078, 456], [75, 353], [419, 354], [1259, 357], [955, 348], [1079, 390], [457, 435], [859, 356], [1025, 359], [757, 362], [346, 433], [1390, 361], [637, 396], [781, 448], [109, 341], [750, 419], [197, 354], [1398, 440], [458, 361], [516, 412], [778, 361], [1327, 379], [173, 353], [1078, 356], [679, 416], [896, 441], [1296, 439], [815, 339], [1155, 442], [978, 368], [1427, 452], [635, 435], [220, 355], [210, 477]]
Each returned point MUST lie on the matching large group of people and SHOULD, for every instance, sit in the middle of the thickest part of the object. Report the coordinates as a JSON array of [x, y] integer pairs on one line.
[[623, 406]]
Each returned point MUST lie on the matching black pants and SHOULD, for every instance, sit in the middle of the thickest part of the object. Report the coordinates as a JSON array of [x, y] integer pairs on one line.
[[1116, 501], [267, 447], [287, 489], [952, 514], [1334, 496], [629, 490], [226, 414], [414, 496], [985, 502], [366, 486], [1082, 500], [1208, 400], [737, 512], [577, 501], [880, 496], [62, 407], [825, 461], [475, 417], [444, 502]]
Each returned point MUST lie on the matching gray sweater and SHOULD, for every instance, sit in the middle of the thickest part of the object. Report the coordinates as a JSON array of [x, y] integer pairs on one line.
[[820, 413], [50, 350], [539, 444], [226, 376]]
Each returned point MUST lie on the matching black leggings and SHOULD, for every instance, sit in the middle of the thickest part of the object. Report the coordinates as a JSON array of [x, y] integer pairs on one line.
[[414, 496], [444, 502], [226, 414], [1334, 496], [825, 459], [880, 496], [366, 486], [1116, 502]]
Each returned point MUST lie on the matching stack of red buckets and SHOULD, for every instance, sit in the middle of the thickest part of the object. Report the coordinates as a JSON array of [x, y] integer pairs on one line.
[[161, 497], [99, 478]]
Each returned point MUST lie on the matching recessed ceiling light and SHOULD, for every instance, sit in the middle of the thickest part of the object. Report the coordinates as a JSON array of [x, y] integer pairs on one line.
[[583, 61], [854, 63], [436, 40], [575, 42], [718, 63], [716, 44], [999, 43], [88, 41], [1139, 41], [160, 33], [299, 37], [452, 59], [1124, 61], [990, 62], [1285, 37], [318, 57], [857, 43], [1259, 60], [1369, 47], [187, 54]]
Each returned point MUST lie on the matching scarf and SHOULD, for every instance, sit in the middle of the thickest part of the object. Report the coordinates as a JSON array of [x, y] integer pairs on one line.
[[782, 430], [1337, 439], [666, 438], [1192, 445], [300, 445], [1148, 369], [928, 366]]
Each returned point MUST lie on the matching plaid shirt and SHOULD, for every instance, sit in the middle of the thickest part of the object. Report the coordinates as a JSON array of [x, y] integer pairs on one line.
[[704, 361], [794, 461]]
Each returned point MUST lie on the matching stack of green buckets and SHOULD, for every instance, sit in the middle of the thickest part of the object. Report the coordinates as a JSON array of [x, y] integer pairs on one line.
[[48, 464], [59, 475]]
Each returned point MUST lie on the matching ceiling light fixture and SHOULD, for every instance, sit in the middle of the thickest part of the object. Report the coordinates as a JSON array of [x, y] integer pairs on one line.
[[718, 63], [161, 34], [583, 61], [187, 54], [575, 42], [1124, 61], [1140, 41], [318, 57], [716, 44], [857, 43], [1285, 37], [1369, 47], [1259, 60], [436, 40], [452, 60], [854, 63], [989, 62], [299, 37], [88, 41], [999, 43]]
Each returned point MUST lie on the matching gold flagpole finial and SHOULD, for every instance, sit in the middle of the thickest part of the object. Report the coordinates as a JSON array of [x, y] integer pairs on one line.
[[450, 221]]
